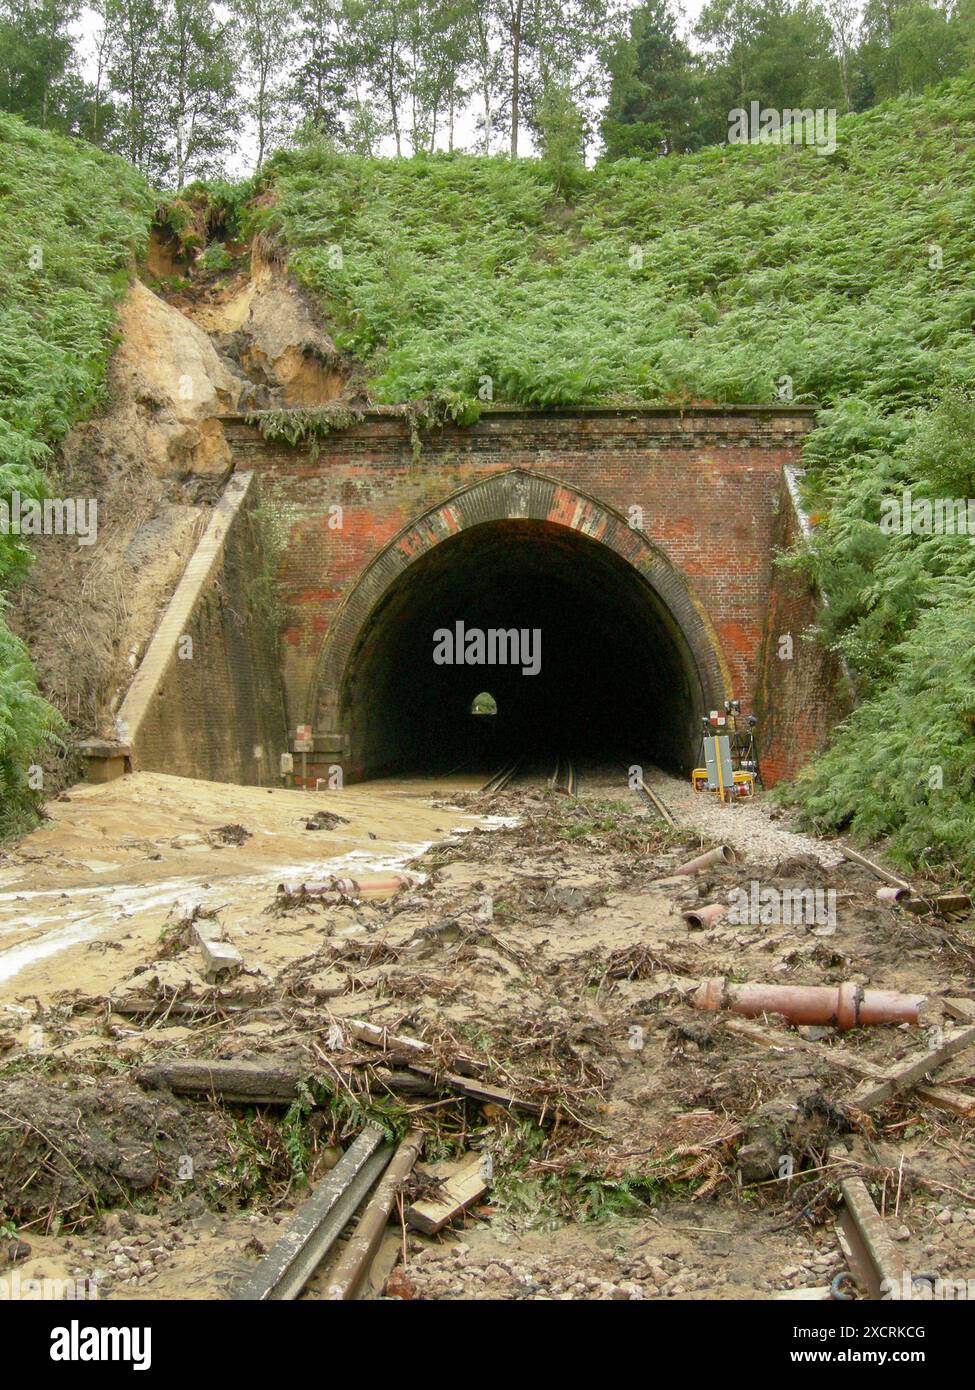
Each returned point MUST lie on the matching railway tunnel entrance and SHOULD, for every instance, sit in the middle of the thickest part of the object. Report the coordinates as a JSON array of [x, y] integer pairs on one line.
[[565, 619]]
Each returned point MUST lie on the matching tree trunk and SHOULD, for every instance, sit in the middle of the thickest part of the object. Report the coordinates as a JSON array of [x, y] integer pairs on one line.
[[515, 77], [391, 90]]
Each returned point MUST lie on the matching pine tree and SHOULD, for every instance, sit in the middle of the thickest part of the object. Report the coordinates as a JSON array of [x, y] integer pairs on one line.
[[652, 100]]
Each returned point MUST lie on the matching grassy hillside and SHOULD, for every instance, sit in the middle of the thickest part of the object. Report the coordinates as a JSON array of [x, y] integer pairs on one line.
[[712, 277], [69, 218]]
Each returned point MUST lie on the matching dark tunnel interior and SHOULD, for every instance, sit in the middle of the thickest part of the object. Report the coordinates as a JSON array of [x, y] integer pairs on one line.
[[615, 676]]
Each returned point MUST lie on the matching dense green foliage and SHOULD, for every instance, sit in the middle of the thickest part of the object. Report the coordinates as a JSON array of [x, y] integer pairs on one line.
[[69, 217], [713, 277], [704, 277]]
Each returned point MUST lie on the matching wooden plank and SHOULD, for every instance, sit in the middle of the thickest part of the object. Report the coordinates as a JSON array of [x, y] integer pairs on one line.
[[953, 904], [463, 1186], [480, 1090], [866, 863], [963, 1009], [313, 1230], [378, 1036], [258, 1082], [901, 1077], [785, 1042], [941, 1097], [345, 1280]]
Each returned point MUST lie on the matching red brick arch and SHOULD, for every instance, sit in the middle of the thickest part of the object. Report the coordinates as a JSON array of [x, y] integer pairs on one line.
[[516, 493]]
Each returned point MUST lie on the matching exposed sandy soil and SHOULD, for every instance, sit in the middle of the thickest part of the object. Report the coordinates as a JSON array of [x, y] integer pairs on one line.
[[154, 459], [548, 944]]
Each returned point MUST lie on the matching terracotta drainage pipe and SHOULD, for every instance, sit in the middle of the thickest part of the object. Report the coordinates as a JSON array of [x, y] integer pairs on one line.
[[704, 916], [372, 885], [724, 854], [892, 895], [846, 1006], [365, 886]]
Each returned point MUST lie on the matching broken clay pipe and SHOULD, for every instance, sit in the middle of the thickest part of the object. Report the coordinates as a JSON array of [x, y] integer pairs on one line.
[[365, 886], [889, 894], [704, 916], [844, 1006], [724, 854]]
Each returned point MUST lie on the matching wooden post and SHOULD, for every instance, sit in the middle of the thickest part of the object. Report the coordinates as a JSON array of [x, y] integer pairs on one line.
[[906, 1074], [260, 1082], [346, 1279]]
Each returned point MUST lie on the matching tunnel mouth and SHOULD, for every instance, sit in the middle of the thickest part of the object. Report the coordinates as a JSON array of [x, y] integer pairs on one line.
[[579, 652]]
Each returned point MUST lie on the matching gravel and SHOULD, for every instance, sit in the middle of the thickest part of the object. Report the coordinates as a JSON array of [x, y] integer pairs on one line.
[[747, 826]]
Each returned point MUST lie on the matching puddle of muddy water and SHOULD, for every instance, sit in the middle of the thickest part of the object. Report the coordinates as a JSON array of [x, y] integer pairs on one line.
[[43, 922]]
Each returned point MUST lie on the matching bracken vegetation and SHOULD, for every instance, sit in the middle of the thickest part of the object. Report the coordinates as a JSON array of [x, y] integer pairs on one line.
[[69, 220]]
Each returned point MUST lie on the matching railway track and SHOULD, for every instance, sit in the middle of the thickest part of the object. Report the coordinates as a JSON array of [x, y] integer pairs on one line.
[[564, 778], [656, 803], [502, 778]]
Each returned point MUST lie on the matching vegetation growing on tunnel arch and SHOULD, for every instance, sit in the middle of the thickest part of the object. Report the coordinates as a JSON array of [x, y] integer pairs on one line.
[[305, 424], [312, 424], [267, 540]]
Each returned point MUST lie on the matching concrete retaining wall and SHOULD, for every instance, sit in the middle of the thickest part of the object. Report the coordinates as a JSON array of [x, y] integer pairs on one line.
[[206, 701]]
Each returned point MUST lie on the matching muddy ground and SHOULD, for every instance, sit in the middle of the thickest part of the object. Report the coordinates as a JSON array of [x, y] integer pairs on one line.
[[540, 938]]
